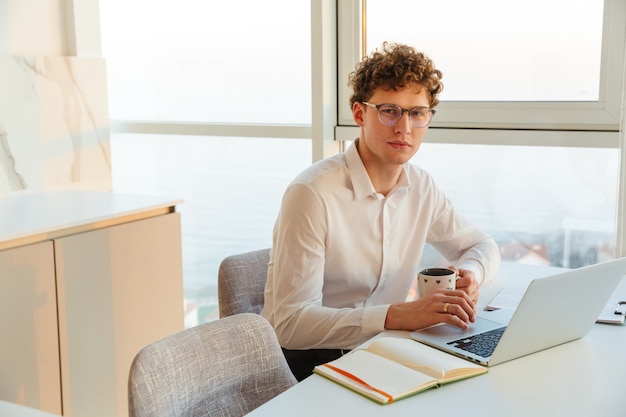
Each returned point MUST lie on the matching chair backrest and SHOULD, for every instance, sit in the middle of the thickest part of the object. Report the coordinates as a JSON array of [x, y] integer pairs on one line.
[[226, 367], [241, 282]]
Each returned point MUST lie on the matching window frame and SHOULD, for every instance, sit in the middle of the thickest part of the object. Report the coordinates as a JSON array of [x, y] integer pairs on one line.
[[601, 115]]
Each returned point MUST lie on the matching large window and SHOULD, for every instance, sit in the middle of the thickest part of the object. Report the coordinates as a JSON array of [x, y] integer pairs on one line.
[[526, 139], [210, 102], [222, 103], [543, 205], [211, 62], [508, 50]]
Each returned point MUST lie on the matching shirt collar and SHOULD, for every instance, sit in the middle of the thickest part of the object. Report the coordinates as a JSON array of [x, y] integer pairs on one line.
[[361, 182]]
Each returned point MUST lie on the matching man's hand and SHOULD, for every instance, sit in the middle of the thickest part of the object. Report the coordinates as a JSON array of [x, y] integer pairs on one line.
[[453, 307], [467, 282]]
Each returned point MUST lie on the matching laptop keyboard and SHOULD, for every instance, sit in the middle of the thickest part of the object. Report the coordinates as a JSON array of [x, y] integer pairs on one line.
[[482, 344]]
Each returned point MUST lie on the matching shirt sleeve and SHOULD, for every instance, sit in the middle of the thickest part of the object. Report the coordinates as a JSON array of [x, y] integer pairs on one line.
[[463, 243], [294, 297]]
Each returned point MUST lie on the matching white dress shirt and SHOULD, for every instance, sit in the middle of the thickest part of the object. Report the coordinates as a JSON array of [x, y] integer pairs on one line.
[[343, 253]]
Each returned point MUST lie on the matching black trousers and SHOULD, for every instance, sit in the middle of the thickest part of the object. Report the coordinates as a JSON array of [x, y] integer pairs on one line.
[[302, 362]]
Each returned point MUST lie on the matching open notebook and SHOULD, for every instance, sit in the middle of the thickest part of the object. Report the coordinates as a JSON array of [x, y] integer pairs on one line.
[[390, 368]]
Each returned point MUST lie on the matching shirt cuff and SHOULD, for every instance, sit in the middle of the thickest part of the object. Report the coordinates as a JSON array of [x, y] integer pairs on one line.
[[374, 318], [472, 266]]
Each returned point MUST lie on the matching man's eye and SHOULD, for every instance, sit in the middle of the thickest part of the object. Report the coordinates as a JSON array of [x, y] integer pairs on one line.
[[390, 111]]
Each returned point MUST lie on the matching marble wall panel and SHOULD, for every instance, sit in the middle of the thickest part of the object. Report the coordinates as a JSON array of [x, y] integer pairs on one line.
[[54, 129]]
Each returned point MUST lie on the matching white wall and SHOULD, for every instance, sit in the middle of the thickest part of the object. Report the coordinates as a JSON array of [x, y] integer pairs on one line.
[[53, 111], [31, 27]]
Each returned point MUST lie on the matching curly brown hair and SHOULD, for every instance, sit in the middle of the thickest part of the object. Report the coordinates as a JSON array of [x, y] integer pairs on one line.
[[395, 67]]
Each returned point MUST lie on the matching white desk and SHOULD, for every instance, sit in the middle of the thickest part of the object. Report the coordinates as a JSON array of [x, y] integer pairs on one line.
[[585, 377]]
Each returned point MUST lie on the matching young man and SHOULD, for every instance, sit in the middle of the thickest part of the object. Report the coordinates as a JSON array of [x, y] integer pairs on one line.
[[351, 230]]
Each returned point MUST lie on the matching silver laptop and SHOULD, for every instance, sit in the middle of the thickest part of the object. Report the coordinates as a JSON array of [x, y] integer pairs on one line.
[[555, 309]]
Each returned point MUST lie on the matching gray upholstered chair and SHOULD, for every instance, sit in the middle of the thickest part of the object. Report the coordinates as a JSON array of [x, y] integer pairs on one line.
[[241, 282], [226, 367]]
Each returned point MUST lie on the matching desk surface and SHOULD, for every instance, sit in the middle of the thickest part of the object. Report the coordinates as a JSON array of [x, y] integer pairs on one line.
[[581, 378]]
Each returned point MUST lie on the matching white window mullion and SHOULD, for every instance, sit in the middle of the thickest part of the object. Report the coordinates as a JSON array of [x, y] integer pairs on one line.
[[82, 28], [323, 78]]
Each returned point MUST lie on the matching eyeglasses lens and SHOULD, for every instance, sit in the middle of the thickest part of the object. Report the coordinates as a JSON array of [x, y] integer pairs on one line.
[[389, 115]]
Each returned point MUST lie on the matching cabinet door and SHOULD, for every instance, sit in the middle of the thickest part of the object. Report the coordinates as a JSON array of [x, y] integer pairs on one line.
[[29, 344], [119, 289]]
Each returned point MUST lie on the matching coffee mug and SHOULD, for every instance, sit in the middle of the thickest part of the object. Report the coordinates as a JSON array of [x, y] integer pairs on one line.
[[432, 279]]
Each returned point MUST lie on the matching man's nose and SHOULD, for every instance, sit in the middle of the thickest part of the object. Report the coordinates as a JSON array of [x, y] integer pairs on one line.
[[404, 123]]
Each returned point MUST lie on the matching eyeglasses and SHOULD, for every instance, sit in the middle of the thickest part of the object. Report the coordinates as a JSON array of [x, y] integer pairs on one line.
[[389, 114]]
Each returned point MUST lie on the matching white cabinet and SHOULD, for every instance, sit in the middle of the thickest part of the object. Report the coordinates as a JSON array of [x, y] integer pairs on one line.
[[79, 304], [29, 344]]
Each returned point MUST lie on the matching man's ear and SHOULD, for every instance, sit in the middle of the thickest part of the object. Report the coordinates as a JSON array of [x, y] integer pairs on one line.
[[357, 113]]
